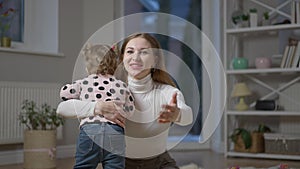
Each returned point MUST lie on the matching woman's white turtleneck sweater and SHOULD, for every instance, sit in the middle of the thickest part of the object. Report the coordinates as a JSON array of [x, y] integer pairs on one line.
[[145, 137]]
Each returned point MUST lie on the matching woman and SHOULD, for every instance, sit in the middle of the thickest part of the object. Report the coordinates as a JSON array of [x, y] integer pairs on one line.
[[158, 104]]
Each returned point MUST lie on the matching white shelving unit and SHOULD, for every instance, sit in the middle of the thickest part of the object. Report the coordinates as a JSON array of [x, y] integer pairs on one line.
[[272, 83]]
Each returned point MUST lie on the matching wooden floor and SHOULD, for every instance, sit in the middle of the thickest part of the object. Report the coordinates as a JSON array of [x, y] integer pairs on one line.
[[204, 158]]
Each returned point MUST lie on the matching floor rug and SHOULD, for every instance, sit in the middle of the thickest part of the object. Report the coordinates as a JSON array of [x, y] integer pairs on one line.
[[190, 166], [281, 166]]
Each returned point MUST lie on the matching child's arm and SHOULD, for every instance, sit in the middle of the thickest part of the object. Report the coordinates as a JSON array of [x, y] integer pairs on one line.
[[74, 108], [70, 91]]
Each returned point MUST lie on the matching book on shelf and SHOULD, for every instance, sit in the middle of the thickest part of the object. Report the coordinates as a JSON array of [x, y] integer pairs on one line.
[[284, 56], [295, 11], [295, 62], [291, 54]]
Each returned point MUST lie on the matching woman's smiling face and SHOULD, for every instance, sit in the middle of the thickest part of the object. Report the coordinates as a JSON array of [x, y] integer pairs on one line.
[[138, 58]]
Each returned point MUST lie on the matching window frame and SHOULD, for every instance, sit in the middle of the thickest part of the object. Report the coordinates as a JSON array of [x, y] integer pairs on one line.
[[41, 29]]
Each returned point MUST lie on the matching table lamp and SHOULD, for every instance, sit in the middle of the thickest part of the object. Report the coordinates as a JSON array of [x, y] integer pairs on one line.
[[241, 90]]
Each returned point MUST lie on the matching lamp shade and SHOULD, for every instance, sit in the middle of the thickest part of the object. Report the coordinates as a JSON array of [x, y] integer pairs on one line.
[[240, 89]]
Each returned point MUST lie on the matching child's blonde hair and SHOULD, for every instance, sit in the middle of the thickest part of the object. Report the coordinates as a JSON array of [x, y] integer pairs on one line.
[[99, 59]]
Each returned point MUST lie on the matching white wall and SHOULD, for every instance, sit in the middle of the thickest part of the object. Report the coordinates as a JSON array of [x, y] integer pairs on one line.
[[77, 21], [96, 14]]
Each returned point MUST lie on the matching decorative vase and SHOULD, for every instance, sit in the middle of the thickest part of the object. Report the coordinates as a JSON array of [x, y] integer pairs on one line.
[[253, 19], [6, 42], [263, 62], [240, 63], [39, 149]]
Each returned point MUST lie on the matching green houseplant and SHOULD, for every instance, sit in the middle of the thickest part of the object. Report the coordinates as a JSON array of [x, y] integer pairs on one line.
[[40, 134], [266, 15], [244, 134], [240, 19], [246, 141], [245, 20], [39, 118], [266, 19]]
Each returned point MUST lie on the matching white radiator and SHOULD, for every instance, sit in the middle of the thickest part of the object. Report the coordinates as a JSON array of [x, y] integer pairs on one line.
[[12, 94]]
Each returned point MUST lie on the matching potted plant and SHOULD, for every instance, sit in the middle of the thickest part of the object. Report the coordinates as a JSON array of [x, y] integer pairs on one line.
[[246, 141], [7, 14], [253, 17], [40, 134], [266, 19], [245, 20], [240, 19]]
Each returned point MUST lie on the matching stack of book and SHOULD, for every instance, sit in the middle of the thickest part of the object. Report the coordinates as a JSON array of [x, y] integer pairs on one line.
[[291, 55]]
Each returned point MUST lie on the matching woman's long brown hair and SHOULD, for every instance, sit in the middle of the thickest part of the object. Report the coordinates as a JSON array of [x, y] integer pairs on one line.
[[159, 73]]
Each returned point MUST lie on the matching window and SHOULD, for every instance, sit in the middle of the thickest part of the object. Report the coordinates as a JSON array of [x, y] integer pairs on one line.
[[191, 11], [12, 19], [40, 30]]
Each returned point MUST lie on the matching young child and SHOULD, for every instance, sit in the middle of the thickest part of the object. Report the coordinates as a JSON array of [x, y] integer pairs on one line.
[[100, 85]]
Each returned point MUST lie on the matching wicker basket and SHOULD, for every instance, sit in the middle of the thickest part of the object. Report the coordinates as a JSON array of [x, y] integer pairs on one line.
[[257, 144], [39, 149], [278, 143]]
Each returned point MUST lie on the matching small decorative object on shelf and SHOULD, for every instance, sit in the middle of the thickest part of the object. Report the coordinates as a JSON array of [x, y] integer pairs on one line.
[[240, 19], [243, 135], [251, 142], [253, 17], [241, 90], [280, 143], [7, 14], [263, 62], [245, 20], [269, 105], [240, 63], [266, 19], [236, 18]]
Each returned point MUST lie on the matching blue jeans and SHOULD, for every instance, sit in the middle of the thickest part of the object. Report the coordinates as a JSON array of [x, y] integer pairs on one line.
[[100, 142]]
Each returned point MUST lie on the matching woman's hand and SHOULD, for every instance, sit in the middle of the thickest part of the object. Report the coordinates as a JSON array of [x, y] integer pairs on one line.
[[170, 111], [109, 111]]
